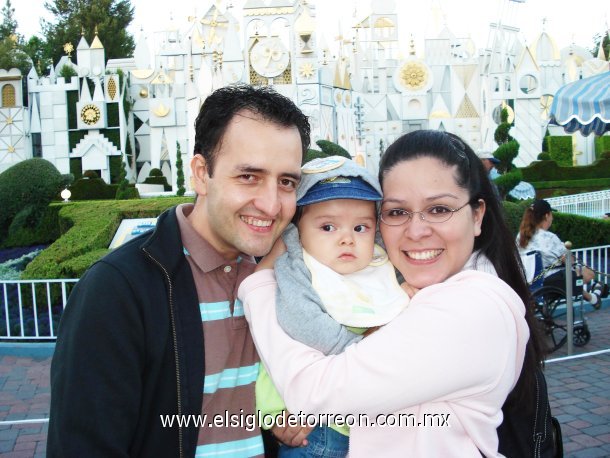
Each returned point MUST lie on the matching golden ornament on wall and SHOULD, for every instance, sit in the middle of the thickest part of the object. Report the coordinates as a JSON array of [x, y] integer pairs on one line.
[[90, 114], [112, 88], [306, 70], [413, 75]]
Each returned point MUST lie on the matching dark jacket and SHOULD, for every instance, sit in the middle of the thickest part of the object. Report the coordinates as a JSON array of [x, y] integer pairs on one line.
[[129, 349]]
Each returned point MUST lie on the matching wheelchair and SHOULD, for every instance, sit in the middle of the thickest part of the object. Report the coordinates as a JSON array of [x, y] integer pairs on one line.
[[550, 300]]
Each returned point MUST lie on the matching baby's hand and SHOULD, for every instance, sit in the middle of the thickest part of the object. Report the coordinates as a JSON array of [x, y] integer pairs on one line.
[[278, 249], [410, 290]]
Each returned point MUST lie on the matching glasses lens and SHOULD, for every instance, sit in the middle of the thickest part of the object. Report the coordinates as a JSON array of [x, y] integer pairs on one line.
[[438, 213], [394, 216]]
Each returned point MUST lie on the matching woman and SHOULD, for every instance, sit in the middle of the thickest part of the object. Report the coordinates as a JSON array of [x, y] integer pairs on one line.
[[534, 235], [457, 351]]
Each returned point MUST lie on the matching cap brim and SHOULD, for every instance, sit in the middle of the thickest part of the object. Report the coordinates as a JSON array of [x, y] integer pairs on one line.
[[329, 192]]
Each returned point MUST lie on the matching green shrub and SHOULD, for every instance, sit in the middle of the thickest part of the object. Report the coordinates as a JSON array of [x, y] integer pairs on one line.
[[602, 145], [332, 149], [91, 174], [506, 153], [551, 171], [92, 189], [67, 72], [580, 230], [179, 172], [155, 173], [313, 154], [46, 231], [506, 182], [25, 191], [544, 157], [87, 229], [560, 149]]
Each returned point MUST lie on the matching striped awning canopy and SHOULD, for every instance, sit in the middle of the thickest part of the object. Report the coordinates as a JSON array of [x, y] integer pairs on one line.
[[583, 105]]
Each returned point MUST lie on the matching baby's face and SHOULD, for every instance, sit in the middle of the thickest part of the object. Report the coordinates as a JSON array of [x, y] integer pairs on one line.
[[339, 233]]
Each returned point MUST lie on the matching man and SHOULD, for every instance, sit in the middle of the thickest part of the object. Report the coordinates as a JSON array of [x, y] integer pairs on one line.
[[489, 162], [153, 333]]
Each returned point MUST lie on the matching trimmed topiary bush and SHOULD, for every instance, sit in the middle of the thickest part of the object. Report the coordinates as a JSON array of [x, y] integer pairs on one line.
[[560, 149], [25, 191], [332, 149], [544, 157], [92, 189]]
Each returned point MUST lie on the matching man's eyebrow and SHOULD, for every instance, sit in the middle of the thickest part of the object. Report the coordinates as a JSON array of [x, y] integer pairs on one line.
[[262, 171]]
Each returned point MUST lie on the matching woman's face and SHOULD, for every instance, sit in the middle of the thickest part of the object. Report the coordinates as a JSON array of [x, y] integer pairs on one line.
[[428, 253]]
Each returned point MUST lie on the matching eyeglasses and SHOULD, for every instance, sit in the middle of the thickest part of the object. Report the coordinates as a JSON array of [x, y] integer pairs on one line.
[[432, 214]]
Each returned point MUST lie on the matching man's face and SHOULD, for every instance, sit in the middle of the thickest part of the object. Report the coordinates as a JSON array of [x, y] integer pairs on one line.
[[250, 197], [487, 164]]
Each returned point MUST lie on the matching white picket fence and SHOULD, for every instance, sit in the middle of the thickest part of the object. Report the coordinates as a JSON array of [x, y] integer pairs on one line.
[[30, 309], [591, 204]]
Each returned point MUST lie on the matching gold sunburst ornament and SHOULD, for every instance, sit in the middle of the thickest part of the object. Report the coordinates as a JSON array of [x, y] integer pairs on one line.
[[90, 114], [306, 70], [413, 75], [68, 49]]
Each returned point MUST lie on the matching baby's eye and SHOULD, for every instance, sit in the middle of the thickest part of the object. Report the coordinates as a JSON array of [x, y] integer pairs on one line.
[[361, 228], [328, 228]]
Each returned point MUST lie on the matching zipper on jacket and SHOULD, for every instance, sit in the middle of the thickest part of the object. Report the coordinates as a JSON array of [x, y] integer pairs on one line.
[[175, 341]]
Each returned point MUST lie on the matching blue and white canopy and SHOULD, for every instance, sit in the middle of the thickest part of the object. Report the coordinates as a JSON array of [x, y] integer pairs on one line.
[[583, 105]]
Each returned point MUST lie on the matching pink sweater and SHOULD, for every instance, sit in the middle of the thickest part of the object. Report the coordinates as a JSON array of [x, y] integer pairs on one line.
[[456, 351]]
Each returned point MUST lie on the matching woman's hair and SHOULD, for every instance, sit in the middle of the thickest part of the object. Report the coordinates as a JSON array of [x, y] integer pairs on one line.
[[495, 241], [528, 227], [532, 217]]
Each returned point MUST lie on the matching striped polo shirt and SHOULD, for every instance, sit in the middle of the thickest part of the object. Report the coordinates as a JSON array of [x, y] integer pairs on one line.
[[231, 361]]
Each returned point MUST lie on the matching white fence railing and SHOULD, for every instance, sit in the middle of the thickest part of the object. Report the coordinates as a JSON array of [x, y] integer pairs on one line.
[[30, 309], [597, 258], [592, 204]]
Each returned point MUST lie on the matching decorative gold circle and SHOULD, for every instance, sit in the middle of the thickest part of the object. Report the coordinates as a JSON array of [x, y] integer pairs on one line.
[[413, 75], [143, 93], [90, 114]]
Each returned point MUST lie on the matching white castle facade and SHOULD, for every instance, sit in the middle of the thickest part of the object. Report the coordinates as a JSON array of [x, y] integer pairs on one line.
[[362, 97]]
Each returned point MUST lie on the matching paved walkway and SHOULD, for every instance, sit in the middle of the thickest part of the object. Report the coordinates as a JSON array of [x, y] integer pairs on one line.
[[579, 388]]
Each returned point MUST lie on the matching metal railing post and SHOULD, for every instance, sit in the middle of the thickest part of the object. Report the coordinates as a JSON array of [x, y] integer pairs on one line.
[[569, 304]]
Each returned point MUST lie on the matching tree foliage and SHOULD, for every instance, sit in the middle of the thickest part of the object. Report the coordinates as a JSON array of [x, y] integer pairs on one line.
[[12, 53], [332, 149], [73, 18], [8, 27]]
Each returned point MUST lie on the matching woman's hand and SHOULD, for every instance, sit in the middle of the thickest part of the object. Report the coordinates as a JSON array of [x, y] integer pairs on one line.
[[278, 249]]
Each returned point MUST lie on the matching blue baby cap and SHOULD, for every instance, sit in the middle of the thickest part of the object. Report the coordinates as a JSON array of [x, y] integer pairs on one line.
[[336, 177]]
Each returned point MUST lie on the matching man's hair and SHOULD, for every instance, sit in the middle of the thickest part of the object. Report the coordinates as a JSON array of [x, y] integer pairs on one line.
[[223, 104]]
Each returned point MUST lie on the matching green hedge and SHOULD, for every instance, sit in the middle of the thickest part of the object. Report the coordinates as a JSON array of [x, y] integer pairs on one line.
[[602, 145], [87, 229], [550, 171], [46, 231], [92, 189], [560, 149], [580, 230]]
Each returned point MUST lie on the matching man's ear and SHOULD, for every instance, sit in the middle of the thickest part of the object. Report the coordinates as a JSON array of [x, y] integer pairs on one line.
[[199, 175]]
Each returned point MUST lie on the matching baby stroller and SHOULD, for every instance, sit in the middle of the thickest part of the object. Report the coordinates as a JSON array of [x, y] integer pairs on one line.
[[550, 301]]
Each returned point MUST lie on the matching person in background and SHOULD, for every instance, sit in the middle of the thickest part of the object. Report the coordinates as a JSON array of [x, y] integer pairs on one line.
[[153, 333], [445, 232], [489, 162], [534, 235]]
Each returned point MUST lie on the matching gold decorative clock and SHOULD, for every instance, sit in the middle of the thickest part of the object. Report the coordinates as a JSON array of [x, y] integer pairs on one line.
[[90, 114], [269, 57]]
